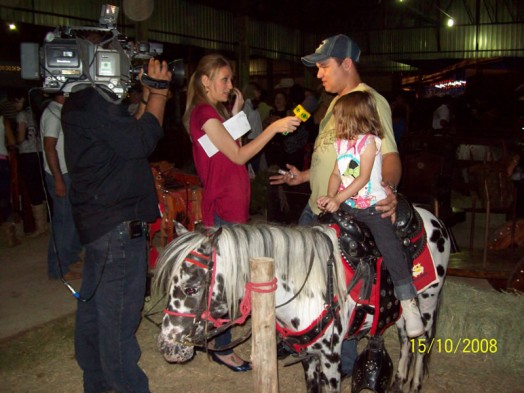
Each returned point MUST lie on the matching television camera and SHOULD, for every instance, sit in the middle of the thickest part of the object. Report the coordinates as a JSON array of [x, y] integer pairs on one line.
[[72, 58]]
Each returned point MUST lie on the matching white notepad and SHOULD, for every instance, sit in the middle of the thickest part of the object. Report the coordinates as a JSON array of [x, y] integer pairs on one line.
[[236, 126]]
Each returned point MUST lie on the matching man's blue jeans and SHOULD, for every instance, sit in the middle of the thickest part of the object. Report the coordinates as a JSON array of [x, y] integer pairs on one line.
[[349, 347], [114, 283], [64, 245]]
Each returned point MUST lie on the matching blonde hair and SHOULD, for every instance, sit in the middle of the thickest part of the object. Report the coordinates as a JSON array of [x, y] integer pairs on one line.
[[208, 65], [356, 114]]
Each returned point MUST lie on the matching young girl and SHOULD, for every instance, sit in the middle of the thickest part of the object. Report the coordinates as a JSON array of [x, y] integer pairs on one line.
[[355, 186]]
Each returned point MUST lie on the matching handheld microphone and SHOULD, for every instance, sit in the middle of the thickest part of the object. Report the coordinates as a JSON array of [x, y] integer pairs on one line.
[[303, 111]]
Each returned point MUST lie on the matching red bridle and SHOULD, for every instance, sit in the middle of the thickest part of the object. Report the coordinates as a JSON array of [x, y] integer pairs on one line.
[[205, 262]]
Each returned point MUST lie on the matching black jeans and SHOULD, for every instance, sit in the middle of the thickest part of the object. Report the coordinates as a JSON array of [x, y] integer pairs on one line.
[[115, 271]]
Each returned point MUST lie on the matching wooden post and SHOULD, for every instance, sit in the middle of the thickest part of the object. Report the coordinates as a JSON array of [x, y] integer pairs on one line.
[[264, 347]]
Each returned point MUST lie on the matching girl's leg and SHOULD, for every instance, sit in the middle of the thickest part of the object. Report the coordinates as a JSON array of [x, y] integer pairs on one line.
[[396, 263]]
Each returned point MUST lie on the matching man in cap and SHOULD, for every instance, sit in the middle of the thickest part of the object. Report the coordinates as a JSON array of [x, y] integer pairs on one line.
[[336, 59]]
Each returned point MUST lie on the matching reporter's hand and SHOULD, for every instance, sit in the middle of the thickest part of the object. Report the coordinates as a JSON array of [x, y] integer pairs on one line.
[[239, 101], [284, 125], [293, 177], [388, 205]]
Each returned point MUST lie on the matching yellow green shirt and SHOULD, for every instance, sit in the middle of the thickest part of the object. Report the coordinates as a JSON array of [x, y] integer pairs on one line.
[[324, 155]]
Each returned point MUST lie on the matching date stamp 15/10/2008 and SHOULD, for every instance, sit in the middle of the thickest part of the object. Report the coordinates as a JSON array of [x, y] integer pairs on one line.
[[448, 345]]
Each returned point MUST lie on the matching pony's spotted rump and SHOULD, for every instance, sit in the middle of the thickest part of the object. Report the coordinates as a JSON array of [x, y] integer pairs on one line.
[[201, 294]]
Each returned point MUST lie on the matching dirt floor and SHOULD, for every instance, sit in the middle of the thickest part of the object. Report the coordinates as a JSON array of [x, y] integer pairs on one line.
[[42, 361]]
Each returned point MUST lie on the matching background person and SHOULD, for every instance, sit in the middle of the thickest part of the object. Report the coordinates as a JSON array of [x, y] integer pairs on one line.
[[251, 94], [113, 197], [64, 245], [31, 163], [7, 144], [274, 151], [226, 185]]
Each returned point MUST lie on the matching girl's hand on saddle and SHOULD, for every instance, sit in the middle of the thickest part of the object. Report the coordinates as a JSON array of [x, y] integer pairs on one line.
[[388, 205], [328, 204]]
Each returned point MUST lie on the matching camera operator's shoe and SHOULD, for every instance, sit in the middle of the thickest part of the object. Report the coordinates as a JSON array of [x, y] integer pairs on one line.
[[411, 314]]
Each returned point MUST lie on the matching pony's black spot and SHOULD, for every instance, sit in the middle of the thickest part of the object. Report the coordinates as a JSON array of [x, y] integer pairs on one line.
[[165, 322], [327, 365], [175, 280], [334, 383], [438, 238], [283, 277], [316, 346], [434, 285], [176, 303], [426, 316], [285, 287], [441, 271], [295, 322], [178, 293], [191, 303], [425, 295], [436, 223]]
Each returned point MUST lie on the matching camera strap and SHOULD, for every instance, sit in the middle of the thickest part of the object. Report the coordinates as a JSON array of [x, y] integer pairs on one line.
[[154, 83]]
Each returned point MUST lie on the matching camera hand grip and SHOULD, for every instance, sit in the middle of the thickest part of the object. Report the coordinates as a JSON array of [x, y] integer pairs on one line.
[[154, 83]]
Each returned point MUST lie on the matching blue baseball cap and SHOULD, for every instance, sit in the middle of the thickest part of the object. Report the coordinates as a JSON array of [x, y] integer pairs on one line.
[[339, 46]]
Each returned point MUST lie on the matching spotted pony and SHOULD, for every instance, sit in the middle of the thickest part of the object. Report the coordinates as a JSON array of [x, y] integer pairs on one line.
[[205, 277]]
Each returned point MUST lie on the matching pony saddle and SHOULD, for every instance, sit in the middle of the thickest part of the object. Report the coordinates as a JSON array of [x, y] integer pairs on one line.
[[358, 248]]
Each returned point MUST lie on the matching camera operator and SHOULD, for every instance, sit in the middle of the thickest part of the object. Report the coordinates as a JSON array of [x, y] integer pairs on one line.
[[113, 197]]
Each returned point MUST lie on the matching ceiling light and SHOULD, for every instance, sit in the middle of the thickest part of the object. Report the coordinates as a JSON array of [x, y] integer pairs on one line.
[[12, 26], [450, 22]]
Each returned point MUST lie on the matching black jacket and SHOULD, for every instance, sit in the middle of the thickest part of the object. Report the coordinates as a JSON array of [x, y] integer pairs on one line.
[[106, 153]]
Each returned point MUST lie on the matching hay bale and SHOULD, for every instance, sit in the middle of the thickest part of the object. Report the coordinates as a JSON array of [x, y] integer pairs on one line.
[[471, 314]]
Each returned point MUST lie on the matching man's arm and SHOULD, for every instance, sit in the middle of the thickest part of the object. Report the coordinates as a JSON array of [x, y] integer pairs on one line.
[[391, 169], [391, 173], [154, 100], [51, 156], [293, 177], [10, 139]]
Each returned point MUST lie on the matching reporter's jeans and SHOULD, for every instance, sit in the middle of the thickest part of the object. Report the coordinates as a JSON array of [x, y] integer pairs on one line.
[[349, 352], [64, 245], [114, 283]]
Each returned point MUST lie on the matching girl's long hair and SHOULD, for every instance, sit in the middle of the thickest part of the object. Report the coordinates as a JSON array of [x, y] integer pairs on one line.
[[196, 91], [355, 114]]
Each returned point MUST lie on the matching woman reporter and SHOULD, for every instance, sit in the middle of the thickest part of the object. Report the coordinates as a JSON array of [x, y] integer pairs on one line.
[[225, 180]]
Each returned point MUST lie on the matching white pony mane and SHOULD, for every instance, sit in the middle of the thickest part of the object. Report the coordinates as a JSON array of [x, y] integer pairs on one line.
[[291, 248]]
